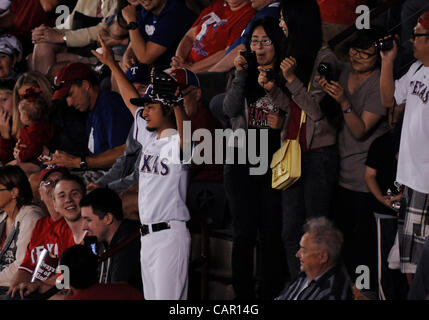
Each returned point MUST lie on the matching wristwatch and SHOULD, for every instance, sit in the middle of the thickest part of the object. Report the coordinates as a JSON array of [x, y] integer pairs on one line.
[[83, 163], [132, 26], [348, 110]]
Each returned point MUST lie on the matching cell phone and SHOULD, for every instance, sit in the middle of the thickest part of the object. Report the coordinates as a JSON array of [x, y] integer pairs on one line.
[[92, 243], [44, 158], [269, 74], [250, 57]]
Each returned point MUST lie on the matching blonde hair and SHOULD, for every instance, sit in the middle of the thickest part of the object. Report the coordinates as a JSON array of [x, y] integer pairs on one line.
[[34, 109], [38, 80]]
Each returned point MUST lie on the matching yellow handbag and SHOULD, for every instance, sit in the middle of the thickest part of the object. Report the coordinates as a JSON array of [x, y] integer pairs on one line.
[[286, 162]]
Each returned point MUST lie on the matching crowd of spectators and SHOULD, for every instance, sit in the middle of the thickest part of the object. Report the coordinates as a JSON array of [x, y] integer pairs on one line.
[[85, 181]]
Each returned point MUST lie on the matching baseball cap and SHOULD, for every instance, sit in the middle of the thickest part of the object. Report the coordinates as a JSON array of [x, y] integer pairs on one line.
[[9, 43], [64, 78], [424, 20], [139, 73], [45, 173], [184, 77], [147, 98]]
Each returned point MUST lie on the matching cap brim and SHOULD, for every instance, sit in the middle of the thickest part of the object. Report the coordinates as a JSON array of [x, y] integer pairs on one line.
[[62, 92], [140, 101]]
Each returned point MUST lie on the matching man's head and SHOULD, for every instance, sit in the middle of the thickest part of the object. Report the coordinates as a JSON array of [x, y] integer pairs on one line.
[[82, 264], [67, 194], [320, 247], [102, 213], [10, 54], [420, 38], [78, 84], [139, 76]]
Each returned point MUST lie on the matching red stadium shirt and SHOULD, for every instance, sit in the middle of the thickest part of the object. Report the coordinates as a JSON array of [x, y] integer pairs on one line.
[[217, 28], [339, 11], [56, 236]]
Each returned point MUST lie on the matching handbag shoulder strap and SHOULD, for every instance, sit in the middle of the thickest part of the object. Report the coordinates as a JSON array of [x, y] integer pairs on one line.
[[303, 115]]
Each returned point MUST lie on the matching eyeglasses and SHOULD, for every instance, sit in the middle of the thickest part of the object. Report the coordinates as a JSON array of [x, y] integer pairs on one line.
[[361, 54], [265, 43], [415, 35]]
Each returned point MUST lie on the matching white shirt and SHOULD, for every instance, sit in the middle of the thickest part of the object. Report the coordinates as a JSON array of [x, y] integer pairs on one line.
[[413, 162], [163, 181]]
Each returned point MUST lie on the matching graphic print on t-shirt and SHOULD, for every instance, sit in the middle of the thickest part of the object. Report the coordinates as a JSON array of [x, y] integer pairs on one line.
[[258, 112], [420, 89], [212, 20]]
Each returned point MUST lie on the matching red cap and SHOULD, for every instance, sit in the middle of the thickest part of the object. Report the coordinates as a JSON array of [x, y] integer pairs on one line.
[[66, 76], [45, 173], [424, 20]]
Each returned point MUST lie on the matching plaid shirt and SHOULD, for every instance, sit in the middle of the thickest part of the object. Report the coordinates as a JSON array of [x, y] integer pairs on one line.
[[332, 285]]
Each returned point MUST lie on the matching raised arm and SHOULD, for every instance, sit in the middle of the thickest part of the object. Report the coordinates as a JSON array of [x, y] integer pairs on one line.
[[387, 84], [126, 89]]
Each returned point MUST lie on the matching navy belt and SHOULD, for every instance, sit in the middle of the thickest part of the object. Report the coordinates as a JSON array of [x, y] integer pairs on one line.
[[144, 229]]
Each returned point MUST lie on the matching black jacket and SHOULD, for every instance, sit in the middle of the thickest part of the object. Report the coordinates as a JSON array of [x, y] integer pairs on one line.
[[124, 265]]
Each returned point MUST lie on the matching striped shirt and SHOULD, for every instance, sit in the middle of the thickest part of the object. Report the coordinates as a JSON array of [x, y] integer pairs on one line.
[[332, 285]]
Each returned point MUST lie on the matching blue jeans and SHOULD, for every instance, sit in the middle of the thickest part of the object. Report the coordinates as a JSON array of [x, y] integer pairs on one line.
[[310, 196], [256, 218]]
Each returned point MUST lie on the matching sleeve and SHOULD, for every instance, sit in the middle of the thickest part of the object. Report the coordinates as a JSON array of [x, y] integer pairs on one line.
[[124, 165], [84, 36], [309, 101], [117, 121], [402, 85], [25, 232], [240, 26], [233, 103], [27, 264], [34, 138]]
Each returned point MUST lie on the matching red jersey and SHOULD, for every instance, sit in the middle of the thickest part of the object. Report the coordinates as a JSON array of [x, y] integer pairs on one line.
[[339, 11], [217, 28], [55, 236]]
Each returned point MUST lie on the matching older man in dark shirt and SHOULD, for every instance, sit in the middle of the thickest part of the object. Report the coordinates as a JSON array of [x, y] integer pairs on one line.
[[321, 277]]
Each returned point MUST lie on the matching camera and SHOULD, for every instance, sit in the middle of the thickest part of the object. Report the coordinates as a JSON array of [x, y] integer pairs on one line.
[[325, 71], [250, 57], [384, 44], [269, 74]]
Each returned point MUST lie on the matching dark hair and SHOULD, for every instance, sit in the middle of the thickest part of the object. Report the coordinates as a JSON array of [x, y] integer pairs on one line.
[[82, 264], [7, 84], [74, 178], [365, 39], [102, 201], [275, 33], [304, 40], [13, 177]]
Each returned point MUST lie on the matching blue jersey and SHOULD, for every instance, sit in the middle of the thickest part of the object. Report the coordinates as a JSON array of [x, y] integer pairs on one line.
[[108, 123], [166, 29]]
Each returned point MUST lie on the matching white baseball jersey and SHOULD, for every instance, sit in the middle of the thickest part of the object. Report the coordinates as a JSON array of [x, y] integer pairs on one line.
[[163, 180], [413, 162]]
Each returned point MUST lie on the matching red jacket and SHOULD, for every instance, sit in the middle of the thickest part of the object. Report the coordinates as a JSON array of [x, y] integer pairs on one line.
[[35, 136]]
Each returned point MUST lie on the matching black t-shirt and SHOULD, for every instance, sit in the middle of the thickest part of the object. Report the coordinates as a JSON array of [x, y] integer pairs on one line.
[[382, 157]]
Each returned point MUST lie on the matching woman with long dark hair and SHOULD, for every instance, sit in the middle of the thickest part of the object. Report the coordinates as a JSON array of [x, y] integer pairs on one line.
[[311, 195], [254, 205], [17, 221]]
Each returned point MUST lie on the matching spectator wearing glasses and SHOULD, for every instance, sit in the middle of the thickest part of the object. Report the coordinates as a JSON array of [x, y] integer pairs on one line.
[[413, 170], [357, 92], [17, 220]]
